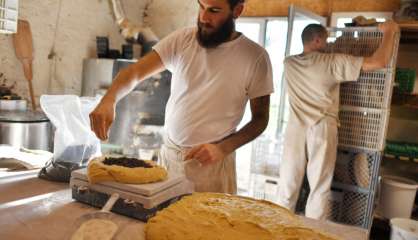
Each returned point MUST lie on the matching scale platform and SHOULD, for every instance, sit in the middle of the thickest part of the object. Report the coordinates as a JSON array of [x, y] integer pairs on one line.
[[140, 201]]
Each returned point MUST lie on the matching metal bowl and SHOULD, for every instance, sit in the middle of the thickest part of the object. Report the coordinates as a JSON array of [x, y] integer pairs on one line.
[[13, 105]]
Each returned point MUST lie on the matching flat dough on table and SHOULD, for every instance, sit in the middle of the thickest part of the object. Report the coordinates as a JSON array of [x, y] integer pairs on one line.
[[302, 233], [212, 216], [95, 229], [97, 171]]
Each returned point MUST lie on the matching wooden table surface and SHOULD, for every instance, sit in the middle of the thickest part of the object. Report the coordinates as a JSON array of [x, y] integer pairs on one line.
[[32, 208]]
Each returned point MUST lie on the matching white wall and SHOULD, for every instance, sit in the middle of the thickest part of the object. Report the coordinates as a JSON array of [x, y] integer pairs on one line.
[[64, 32], [166, 15]]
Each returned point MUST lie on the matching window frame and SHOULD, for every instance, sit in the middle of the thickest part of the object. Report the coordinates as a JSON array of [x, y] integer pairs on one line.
[[263, 25]]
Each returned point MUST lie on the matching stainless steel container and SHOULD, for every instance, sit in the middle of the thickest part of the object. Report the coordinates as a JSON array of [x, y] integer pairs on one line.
[[99, 73], [27, 129]]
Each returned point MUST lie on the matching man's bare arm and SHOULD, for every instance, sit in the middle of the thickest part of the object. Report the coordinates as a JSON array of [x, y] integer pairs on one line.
[[126, 80], [259, 120], [383, 54], [103, 115]]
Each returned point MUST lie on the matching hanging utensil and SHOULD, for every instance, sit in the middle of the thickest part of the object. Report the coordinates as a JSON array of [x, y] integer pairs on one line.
[[22, 41]]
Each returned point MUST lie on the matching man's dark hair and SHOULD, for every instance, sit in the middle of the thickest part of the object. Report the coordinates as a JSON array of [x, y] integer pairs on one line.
[[311, 31], [233, 3]]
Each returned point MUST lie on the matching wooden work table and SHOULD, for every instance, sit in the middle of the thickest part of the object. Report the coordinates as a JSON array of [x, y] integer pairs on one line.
[[32, 208]]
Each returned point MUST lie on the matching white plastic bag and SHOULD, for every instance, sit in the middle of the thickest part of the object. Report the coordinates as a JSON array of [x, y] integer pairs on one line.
[[74, 142]]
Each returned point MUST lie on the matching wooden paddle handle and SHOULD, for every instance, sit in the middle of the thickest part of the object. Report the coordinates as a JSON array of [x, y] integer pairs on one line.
[[32, 95], [27, 70]]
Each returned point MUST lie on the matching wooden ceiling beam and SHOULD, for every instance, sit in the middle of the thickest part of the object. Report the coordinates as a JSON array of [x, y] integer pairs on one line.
[[258, 8]]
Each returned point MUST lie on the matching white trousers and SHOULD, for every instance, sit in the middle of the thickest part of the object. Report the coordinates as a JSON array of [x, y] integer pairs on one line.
[[313, 149], [218, 177]]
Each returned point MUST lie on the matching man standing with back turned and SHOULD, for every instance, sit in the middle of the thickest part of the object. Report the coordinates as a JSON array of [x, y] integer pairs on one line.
[[313, 79], [215, 71]]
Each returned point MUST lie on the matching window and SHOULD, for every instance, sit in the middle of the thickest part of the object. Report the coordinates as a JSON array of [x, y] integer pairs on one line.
[[258, 162], [8, 16], [271, 33]]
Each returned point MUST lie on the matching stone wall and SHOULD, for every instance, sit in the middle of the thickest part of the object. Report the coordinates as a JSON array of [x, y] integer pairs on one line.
[[64, 33]]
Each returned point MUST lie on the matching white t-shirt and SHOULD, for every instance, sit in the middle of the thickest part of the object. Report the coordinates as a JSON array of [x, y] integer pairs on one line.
[[313, 82], [210, 87]]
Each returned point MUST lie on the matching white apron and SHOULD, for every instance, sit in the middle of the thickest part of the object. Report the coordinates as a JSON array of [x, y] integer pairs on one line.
[[218, 177]]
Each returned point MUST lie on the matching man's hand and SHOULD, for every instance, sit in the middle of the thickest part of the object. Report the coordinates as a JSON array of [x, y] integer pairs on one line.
[[389, 26], [125, 81], [206, 154], [102, 117], [382, 56]]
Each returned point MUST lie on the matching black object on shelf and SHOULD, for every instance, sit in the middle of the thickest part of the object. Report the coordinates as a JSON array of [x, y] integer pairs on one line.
[[102, 44], [114, 54], [380, 229], [127, 51]]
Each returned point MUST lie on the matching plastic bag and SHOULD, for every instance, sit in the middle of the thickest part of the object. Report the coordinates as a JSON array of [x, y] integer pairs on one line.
[[74, 142]]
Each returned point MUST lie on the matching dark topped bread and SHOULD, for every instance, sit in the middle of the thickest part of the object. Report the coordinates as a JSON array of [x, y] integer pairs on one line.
[[126, 162], [124, 170]]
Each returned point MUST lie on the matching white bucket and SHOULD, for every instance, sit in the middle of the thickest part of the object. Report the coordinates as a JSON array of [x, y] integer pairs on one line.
[[397, 196], [403, 229]]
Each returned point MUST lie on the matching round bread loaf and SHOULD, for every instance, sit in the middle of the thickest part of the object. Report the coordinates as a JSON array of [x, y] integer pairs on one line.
[[125, 170], [211, 216]]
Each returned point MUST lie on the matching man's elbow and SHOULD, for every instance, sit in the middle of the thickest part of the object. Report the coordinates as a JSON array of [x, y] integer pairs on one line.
[[262, 123], [381, 63], [373, 63]]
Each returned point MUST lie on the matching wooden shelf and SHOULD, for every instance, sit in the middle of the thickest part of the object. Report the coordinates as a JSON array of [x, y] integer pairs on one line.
[[408, 25], [407, 100]]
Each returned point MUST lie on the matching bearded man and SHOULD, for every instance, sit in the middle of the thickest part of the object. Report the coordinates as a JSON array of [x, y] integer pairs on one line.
[[215, 71]]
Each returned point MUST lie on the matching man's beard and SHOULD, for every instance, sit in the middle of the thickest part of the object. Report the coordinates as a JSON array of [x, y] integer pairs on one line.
[[219, 36]]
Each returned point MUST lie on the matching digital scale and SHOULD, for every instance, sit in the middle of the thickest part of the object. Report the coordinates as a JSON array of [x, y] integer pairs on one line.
[[139, 201]]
